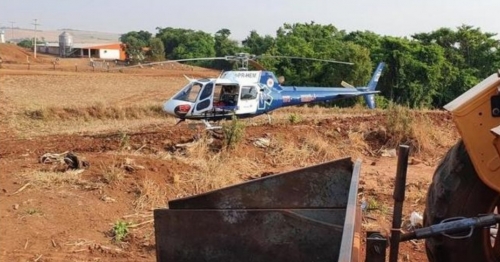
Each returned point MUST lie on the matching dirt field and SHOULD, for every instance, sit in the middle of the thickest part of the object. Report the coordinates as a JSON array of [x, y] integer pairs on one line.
[[136, 163]]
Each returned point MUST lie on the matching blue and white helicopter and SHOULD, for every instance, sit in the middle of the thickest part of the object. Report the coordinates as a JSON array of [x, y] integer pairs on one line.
[[247, 94]]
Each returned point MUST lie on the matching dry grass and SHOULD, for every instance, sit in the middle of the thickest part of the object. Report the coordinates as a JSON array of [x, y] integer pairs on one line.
[[149, 195], [413, 128], [358, 143], [97, 111], [211, 169], [283, 152], [298, 114], [111, 174], [33, 92], [29, 128], [53, 179]]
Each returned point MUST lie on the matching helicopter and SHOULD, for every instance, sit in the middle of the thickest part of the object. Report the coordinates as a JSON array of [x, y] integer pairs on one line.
[[248, 93]]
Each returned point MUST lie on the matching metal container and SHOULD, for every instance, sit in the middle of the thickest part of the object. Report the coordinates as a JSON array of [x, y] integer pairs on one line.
[[65, 44], [308, 214]]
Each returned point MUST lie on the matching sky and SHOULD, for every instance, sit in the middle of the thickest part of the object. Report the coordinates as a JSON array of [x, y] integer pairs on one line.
[[384, 17]]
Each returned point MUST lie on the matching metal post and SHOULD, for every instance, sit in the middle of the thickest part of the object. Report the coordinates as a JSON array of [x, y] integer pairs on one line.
[[36, 24], [399, 196], [11, 31], [375, 247]]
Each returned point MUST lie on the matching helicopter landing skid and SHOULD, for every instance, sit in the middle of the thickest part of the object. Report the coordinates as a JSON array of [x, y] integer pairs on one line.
[[209, 126]]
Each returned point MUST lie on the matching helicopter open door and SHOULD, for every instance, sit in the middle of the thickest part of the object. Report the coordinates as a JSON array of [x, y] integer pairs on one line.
[[205, 99], [248, 99]]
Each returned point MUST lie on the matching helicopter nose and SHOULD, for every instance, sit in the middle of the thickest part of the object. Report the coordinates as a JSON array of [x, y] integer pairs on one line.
[[177, 108], [168, 108]]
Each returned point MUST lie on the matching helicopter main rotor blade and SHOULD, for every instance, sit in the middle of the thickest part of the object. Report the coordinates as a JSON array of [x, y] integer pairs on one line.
[[170, 61], [307, 58]]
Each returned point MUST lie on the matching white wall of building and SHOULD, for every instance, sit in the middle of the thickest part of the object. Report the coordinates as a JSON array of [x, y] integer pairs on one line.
[[54, 50], [109, 53]]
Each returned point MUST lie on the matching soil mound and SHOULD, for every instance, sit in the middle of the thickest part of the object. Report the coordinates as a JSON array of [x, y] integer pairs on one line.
[[13, 54]]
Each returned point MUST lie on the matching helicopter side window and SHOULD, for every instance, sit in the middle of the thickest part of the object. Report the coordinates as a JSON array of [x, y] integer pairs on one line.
[[207, 91], [190, 93], [248, 92]]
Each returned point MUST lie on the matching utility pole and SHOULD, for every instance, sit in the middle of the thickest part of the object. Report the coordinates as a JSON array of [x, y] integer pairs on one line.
[[11, 30], [35, 24]]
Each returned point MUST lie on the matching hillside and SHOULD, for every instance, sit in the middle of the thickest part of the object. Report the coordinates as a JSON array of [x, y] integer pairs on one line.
[[79, 36]]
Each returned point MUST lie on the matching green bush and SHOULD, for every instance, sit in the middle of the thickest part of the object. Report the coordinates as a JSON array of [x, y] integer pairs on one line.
[[294, 118], [233, 132], [120, 230]]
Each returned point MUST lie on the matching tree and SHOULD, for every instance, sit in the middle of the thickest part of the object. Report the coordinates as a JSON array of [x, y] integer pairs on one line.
[[26, 43], [157, 49], [224, 47], [256, 44], [471, 56], [135, 43], [323, 42], [183, 43]]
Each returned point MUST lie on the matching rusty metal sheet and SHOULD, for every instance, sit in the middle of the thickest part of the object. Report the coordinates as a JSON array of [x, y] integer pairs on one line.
[[324, 186], [307, 214], [248, 235]]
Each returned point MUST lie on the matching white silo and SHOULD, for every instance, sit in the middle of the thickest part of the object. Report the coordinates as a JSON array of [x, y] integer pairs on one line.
[[65, 44]]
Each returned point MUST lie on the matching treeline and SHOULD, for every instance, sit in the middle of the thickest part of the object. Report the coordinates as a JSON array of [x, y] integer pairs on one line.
[[426, 70]]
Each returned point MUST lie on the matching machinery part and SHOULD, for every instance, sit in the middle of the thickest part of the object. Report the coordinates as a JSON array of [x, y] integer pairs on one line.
[[456, 190], [475, 113], [375, 247], [399, 197], [452, 226]]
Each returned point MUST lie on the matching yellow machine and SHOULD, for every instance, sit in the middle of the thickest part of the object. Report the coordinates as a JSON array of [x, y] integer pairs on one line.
[[467, 181]]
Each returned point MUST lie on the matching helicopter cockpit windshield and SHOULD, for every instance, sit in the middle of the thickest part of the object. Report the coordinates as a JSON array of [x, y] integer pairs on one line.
[[198, 95], [190, 92]]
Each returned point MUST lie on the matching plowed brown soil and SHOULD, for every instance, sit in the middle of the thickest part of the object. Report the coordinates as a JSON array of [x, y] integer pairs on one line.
[[49, 214]]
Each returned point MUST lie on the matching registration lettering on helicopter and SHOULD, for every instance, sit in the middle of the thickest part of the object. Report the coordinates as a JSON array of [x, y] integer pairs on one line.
[[287, 99], [246, 76], [307, 98]]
